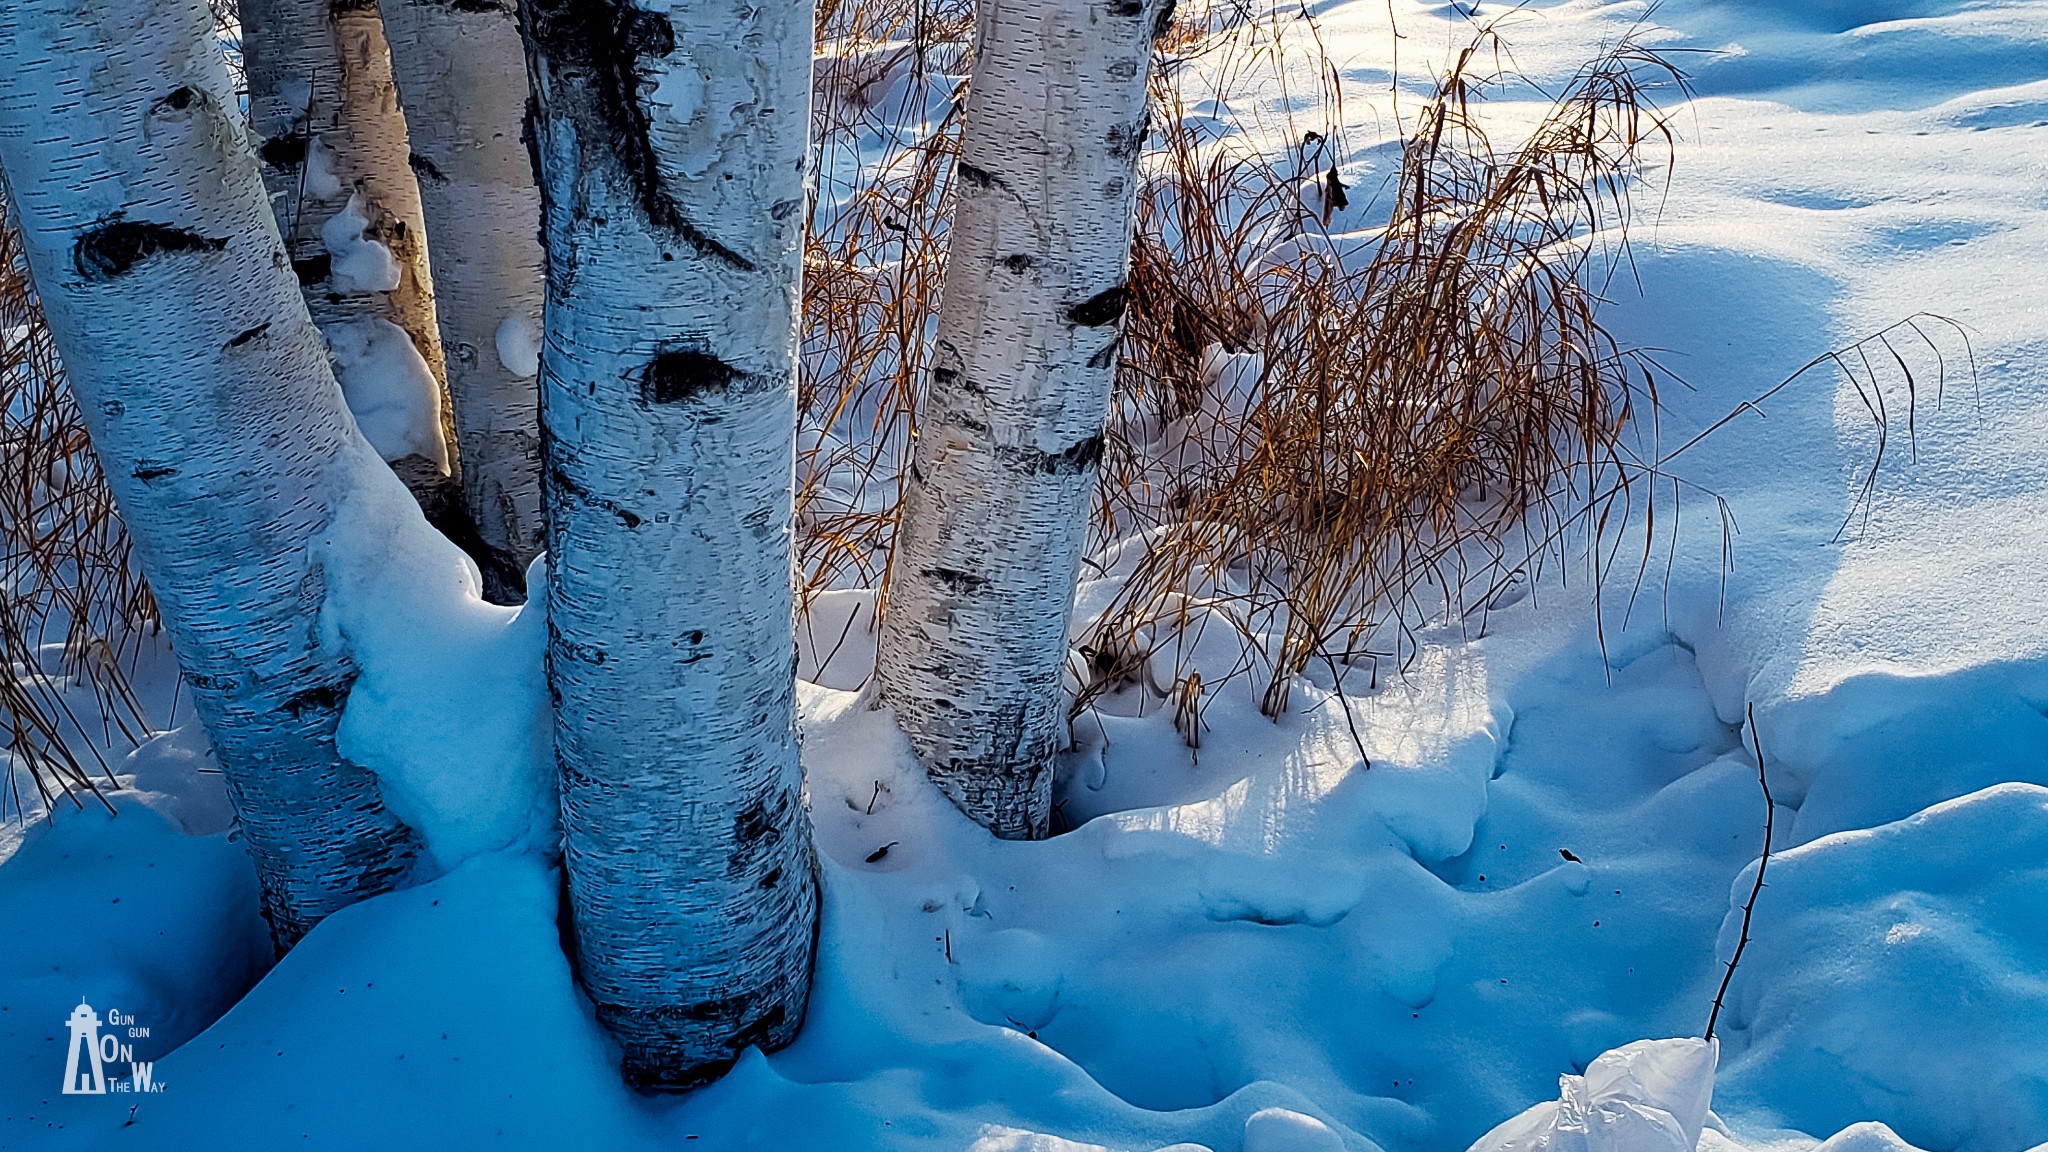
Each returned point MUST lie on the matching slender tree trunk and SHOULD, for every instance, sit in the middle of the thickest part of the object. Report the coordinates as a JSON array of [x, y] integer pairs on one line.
[[462, 75], [671, 146], [335, 158], [209, 399], [995, 513]]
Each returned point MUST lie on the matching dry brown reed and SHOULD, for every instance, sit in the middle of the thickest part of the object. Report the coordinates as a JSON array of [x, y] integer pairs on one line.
[[885, 130], [1335, 435], [73, 611]]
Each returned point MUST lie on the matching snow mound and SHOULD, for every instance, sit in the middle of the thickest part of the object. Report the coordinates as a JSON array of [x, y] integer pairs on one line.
[[518, 342], [389, 388], [1895, 973], [361, 263], [450, 707]]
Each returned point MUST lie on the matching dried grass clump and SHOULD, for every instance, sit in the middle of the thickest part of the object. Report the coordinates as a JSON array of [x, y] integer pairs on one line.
[[73, 609], [1325, 434], [885, 124]]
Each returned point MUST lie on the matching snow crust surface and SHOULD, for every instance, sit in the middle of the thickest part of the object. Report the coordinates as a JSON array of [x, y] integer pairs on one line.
[[1270, 946]]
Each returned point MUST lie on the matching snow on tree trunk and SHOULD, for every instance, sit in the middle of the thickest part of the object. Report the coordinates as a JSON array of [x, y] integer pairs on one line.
[[671, 145], [210, 402], [335, 157], [995, 512], [462, 75]]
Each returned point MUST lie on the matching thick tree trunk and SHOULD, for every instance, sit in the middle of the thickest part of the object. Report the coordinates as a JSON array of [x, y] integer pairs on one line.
[[672, 148], [995, 512], [335, 158], [209, 399], [462, 75]]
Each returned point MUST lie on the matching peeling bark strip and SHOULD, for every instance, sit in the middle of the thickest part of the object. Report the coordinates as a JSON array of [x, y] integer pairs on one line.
[[210, 402], [461, 73], [668, 430], [995, 517]]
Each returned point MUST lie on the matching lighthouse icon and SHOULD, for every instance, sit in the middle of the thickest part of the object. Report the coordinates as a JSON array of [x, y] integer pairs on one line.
[[88, 1079]]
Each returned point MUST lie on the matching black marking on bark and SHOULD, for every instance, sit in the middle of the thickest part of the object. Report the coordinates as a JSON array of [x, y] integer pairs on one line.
[[956, 581], [753, 823], [757, 1033], [425, 169], [1106, 355], [344, 7], [969, 174], [179, 100], [773, 878], [113, 247], [246, 335], [1105, 307], [1126, 8], [598, 46], [323, 698], [758, 829], [473, 5], [1164, 23], [560, 645], [875, 857], [1125, 140], [565, 486], [676, 375], [313, 269], [1072, 461], [151, 470], [1018, 263]]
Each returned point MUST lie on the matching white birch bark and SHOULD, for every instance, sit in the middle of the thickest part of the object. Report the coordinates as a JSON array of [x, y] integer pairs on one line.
[[996, 504], [330, 134], [210, 402], [671, 143], [461, 74]]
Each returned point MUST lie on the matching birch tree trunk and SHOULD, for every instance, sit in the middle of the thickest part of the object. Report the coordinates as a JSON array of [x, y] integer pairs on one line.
[[671, 145], [335, 158], [462, 76], [996, 504], [210, 402]]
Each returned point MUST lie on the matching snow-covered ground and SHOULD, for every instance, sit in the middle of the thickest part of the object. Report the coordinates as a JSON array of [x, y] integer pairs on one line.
[[1271, 947]]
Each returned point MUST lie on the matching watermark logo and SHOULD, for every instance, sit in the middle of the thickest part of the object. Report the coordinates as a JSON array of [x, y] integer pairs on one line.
[[90, 1064]]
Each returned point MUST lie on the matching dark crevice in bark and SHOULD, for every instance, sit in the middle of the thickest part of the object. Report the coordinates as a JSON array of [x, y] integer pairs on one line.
[[977, 177], [758, 829], [286, 151], [425, 169], [321, 698], [567, 487], [113, 247], [148, 471], [603, 42], [1105, 307], [246, 335], [1163, 23], [179, 100], [1072, 461], [679, 374], [957, 581], [313, 269]]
